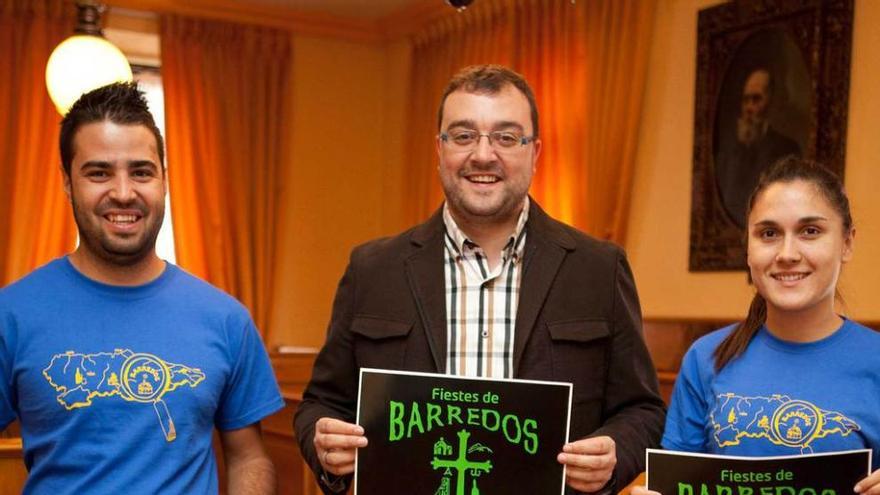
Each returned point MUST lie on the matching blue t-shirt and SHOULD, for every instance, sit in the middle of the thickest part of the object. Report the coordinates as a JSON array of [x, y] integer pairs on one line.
[[118, 389], [779, 397]]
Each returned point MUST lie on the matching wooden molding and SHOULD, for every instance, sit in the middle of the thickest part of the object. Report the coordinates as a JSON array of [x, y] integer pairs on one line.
[[298, 22], [10, 448], [293, 371], [414, 18], [137, 21], [141, 16]]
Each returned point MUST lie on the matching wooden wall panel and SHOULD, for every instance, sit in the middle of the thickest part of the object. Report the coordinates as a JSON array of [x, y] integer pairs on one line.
[[667, 341], [292, 371], [12, 471]]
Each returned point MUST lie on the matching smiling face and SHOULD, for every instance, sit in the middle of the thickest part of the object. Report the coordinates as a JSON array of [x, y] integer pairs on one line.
[[797, 244], [117, 188], [485, 184]]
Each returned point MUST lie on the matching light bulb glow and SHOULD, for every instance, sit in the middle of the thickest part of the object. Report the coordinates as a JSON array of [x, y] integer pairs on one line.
[[80, 64]]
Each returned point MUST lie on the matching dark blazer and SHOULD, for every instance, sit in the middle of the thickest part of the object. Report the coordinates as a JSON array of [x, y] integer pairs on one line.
[[578, 320]]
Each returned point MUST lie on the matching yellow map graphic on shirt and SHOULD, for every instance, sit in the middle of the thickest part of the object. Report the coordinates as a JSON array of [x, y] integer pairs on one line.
[[777, 419], [81, 379]]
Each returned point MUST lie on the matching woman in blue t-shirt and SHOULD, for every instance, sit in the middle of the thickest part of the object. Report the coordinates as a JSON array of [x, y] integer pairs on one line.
[[793, 377]]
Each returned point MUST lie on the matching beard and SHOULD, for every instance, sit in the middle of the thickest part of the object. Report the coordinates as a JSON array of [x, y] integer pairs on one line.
[[750, 130], [485, 210], [117, 250], [498, 206]]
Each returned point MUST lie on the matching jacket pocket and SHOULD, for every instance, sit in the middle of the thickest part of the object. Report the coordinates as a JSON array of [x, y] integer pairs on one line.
[[379, 342], [578, 330], [580, 354]]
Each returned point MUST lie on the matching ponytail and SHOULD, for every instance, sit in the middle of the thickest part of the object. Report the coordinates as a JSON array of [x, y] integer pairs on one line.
[[736, 341]]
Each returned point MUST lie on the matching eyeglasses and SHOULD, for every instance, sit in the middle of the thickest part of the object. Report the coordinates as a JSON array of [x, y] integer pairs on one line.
[[468, 139]]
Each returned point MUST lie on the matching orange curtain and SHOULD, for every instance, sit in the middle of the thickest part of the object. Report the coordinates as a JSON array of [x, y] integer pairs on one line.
[[35, 220], [225, 99], [587, 63]]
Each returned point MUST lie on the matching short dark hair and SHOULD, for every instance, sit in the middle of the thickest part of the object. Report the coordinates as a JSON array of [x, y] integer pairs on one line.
[[489, 79], [121, 103]]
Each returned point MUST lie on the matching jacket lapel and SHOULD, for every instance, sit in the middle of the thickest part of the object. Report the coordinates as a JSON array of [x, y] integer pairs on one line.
[[424, 270], [546, 247]]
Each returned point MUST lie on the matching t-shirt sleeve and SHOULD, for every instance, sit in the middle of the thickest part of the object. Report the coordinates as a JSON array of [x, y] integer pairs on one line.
[[252, 392], [688, 410], [7, 411]]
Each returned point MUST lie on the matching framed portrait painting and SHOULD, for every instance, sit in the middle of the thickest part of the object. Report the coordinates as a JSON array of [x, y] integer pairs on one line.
[[772, 81]]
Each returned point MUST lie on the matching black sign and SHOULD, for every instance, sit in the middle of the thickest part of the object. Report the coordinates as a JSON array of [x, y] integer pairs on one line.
[[678, 473], [443, 435]]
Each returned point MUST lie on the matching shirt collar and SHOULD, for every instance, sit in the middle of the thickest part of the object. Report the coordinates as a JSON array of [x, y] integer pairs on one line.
[[462, 244]]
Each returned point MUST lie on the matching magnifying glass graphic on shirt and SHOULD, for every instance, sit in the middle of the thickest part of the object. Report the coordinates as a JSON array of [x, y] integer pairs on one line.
[[145, 378]]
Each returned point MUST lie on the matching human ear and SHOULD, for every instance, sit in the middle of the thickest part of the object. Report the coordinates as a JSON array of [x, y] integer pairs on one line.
[[65, 177], [538, 144], [848, 245]]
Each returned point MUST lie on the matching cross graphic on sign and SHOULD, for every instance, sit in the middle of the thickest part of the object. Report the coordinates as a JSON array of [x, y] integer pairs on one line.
[[461, 464]]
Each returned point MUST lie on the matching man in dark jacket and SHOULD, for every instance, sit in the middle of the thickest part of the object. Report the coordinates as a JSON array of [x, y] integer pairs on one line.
[[557, 304]]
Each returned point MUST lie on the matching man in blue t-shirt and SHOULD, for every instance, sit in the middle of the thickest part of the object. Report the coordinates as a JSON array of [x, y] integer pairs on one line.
[[117, 364]]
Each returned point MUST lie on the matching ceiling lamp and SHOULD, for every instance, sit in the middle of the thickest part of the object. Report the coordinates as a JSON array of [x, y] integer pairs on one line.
[[85, 61], [459, 5]]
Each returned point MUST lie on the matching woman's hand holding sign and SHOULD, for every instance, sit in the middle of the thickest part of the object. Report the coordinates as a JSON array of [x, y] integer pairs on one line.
[[870, 485]]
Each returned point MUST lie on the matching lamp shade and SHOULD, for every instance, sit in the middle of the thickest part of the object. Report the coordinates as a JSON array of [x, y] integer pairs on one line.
[[80, 64]]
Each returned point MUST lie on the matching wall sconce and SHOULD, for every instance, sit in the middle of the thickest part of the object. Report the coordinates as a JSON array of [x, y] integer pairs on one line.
[[85, 61]]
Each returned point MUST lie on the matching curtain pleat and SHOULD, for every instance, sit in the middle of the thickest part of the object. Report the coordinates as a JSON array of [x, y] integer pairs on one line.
[[36, 224], [225, 101]]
